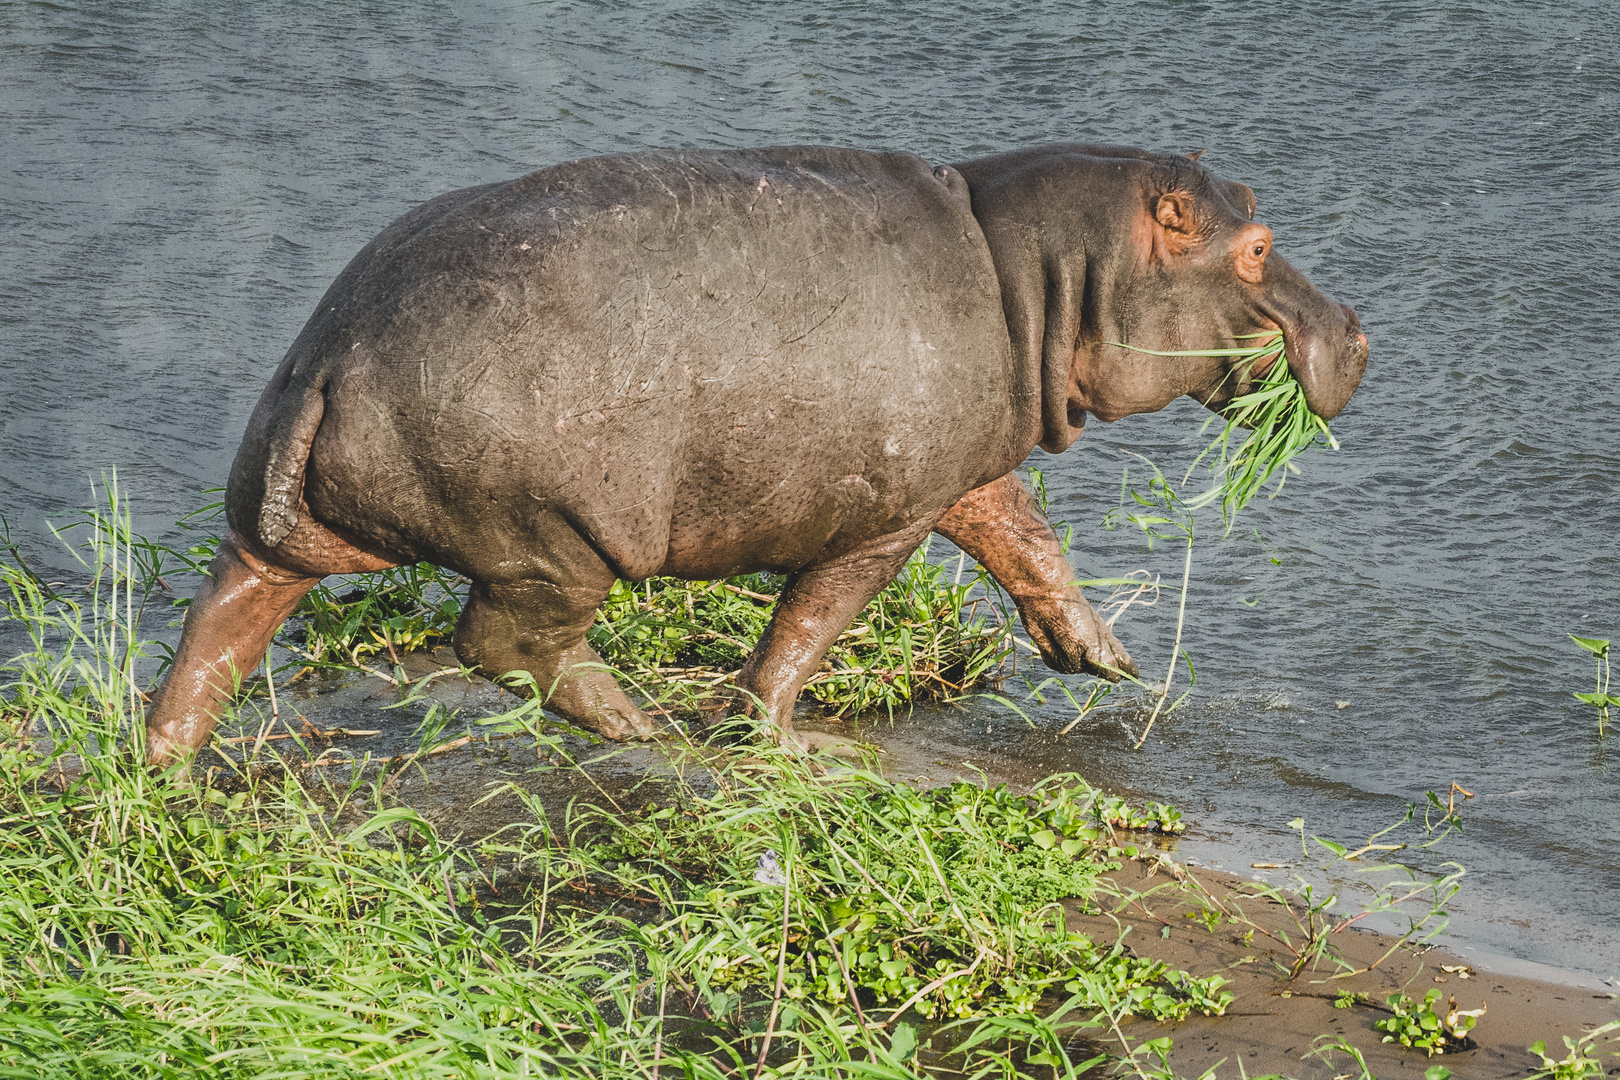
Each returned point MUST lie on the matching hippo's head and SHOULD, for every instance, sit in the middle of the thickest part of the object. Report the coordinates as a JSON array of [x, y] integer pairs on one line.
[[1100, 246]]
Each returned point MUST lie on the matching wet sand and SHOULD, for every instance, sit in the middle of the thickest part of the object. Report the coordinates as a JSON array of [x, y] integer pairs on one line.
[[1275, 1022], [1270, 1027]]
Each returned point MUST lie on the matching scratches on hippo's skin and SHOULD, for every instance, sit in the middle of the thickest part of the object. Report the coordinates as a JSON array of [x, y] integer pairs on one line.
[[819, 323], [506, 428]]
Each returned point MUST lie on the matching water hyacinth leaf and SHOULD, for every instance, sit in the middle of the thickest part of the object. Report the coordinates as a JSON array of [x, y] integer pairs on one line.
[[904, 1042]]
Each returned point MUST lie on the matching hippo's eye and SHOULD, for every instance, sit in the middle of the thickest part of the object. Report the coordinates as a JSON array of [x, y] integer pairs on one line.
[[1259, 251]]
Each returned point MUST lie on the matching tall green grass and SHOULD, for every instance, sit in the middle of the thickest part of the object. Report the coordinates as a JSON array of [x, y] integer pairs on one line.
[[758, 915]]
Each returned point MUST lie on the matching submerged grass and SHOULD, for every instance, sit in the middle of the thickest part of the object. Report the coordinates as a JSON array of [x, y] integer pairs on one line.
[[761, 916]]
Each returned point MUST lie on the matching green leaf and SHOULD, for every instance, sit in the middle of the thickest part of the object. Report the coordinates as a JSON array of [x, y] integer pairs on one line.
[[1596, 646], [904, 1042], [1338, 849]]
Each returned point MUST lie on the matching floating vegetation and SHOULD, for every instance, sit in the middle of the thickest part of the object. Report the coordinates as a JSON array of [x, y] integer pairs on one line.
[[1600, 696]]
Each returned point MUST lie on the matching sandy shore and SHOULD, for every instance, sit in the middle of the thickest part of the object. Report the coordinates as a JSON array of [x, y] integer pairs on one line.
[[1275, 1021]]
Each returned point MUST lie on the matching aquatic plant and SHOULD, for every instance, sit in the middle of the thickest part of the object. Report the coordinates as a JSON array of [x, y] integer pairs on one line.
[[1387, 887], [942, 902], [1161, 514], [1426, 1025], [1583, 1062], [1600, 696], [1281, 425]]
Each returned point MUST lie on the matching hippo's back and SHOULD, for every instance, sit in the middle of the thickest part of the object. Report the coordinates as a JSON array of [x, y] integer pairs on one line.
[[701, 361]]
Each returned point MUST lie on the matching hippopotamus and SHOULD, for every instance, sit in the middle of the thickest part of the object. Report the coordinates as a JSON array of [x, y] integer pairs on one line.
[[702, 363]]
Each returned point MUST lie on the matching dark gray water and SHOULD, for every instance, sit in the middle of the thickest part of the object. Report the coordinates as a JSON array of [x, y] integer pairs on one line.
[[179, 182]]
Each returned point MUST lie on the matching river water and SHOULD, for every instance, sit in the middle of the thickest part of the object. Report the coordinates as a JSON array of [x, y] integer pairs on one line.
[[180, 181]]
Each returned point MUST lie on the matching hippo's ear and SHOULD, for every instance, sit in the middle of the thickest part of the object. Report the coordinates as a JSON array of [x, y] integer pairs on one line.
[[1196, 154], [1174, 211]]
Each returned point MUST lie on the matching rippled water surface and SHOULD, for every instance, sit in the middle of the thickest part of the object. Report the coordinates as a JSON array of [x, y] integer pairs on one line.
[[179, 183]]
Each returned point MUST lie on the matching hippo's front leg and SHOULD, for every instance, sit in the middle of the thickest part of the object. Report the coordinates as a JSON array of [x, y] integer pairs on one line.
[[815, 607], [1000, 525]]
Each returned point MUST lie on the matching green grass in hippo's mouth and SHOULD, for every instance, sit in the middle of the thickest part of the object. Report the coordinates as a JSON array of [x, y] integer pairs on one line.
[[1280, 424]]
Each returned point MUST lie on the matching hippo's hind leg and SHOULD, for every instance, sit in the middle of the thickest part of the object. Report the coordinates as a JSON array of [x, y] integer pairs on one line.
[[815, 607], [228, 627], [538, 626]]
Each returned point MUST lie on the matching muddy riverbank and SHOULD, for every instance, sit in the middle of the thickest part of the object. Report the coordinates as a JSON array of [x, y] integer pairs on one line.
[[1178, 909]]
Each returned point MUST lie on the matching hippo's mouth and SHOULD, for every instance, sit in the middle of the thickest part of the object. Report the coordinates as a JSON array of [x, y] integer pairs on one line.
[[1249, 360]]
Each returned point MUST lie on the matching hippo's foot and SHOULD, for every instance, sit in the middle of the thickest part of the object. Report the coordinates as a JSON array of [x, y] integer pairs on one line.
[[1073, 638], [531, 636], [1002, 527], [622, 726]]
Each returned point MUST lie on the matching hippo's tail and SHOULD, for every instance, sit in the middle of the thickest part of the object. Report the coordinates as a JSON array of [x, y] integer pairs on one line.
[[286, 452]]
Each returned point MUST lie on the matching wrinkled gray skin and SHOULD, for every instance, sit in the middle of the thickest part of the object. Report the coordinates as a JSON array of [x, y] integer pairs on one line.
[[703, 363]]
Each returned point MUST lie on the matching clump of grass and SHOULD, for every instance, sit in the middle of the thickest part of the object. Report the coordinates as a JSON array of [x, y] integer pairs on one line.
[[1281, 426], [926, 637]]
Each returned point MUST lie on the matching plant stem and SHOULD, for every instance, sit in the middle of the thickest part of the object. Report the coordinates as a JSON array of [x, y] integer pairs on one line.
[[1175, 650]]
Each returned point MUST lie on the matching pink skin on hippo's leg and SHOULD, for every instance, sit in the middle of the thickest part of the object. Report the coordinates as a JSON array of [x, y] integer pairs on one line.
[[1001, 527], [227, 630]]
